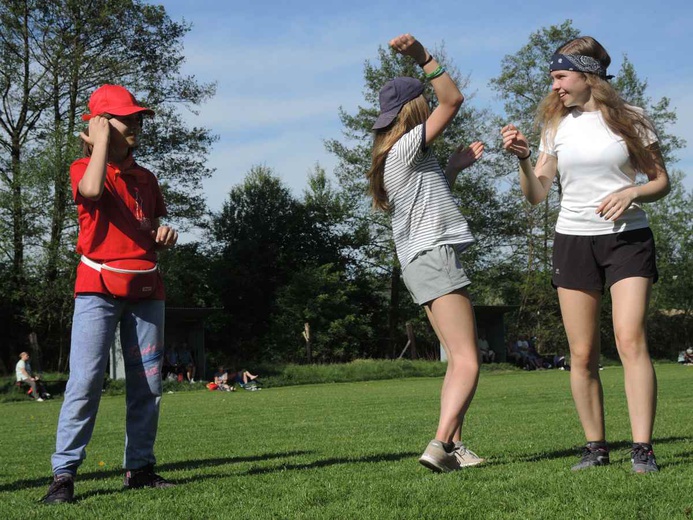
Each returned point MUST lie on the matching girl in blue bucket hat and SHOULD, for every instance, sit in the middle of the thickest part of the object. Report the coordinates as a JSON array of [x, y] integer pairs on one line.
[[429, 232]]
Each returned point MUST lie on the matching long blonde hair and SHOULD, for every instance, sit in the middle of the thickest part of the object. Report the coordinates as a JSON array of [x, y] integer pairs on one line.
[[629, 124], [413, 113]]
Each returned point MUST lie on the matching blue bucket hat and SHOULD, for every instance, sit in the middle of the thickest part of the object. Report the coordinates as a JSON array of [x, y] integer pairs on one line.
[[393, 96]]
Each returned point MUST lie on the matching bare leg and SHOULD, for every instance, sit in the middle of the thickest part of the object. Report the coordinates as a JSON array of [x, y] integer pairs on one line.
[[457, 436], [453, 317], [630, 299], [580, 310]]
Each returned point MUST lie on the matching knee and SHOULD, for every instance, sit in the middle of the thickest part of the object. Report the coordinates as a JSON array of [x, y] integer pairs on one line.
[[84, 389], [631, 345], [584, 359], [464, 363]]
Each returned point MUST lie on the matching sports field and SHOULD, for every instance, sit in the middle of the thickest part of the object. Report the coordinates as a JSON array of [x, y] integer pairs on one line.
[[350, 451]]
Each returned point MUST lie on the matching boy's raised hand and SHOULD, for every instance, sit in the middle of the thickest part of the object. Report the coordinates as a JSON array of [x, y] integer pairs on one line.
[[99, 131]]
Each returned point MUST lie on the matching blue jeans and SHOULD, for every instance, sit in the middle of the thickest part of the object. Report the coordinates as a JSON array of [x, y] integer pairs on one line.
[[142, 339]]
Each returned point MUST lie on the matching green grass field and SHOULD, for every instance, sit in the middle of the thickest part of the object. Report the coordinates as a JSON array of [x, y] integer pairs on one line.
[[350, 450]]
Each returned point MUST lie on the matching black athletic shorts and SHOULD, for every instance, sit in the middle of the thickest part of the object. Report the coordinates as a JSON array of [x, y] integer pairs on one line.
[[591, 263]]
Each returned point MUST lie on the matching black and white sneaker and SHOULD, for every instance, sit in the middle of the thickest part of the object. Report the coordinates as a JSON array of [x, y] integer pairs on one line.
[[61, 490], [593, 454], [643, 458], [145, 477]]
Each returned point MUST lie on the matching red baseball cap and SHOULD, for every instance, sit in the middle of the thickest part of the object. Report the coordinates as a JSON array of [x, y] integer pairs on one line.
[[114, 100]]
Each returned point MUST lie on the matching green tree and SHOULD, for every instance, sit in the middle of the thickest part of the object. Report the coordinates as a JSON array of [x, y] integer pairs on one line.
[[262, 238], [330, 308]]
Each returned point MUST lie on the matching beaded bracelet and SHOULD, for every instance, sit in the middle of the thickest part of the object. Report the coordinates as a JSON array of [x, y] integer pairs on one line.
[[438, 72]]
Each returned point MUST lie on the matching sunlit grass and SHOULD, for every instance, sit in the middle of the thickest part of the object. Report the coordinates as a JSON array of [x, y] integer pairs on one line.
[[349, 450]]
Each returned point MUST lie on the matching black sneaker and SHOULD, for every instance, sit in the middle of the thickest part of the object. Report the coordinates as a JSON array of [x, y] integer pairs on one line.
[[61, 490], [643, 458], [145, 477], [593, 454]]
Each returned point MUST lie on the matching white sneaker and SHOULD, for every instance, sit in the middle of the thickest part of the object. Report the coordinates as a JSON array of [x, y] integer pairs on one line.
[[466, 457], [437, 459], [39, 399]]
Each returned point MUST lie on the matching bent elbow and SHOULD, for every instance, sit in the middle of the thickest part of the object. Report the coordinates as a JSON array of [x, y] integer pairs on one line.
[[667, 189], [533, 198], [452, 103], [91, 194]]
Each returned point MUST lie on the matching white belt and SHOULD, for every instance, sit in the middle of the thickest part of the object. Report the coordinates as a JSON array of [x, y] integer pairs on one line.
[[97, 267]]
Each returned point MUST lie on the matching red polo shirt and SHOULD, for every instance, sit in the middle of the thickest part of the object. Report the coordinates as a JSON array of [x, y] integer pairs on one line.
[[119, 225]]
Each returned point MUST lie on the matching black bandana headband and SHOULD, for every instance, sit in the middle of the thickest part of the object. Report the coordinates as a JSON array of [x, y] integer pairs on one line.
[[578, 62]]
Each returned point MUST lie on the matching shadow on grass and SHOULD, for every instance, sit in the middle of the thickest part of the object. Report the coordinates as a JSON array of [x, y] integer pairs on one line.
[[622, 445], [171, 466], [385, 457], [679, 459]]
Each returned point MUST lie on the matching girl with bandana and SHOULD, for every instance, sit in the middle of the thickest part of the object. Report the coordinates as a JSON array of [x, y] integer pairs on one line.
[[598, 144], [429, 231]]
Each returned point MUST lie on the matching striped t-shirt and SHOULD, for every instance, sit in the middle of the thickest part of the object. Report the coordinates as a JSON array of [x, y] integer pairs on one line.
[[424, 213]]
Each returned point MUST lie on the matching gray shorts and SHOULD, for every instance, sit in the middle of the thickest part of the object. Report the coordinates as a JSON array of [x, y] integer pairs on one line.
[[434, 273]]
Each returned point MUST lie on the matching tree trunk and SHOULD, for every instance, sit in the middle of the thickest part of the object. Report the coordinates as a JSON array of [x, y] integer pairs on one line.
[[17, 217]]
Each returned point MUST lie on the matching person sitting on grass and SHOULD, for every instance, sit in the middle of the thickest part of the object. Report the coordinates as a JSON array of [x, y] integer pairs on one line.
[[187, 363], [221, 379], [242, 377], [688, 356]]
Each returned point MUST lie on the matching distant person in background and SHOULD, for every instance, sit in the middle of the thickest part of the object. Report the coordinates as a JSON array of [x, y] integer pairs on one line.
[[534, 360], [243, 377], [26, 376], [560, 362], [487, 355], [221, 379], [513, 353], [187, 363], [172, 366], [688, 356]]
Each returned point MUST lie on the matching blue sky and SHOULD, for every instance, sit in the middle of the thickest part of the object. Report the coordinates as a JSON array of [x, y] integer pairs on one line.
[[283, 69]]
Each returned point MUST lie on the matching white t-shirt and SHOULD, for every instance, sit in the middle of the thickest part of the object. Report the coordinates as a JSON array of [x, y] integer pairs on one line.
[[424, 213], [21, 364], [593, 162]]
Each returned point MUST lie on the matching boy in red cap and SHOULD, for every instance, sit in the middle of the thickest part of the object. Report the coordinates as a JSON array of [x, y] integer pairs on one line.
[[119, 205]]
